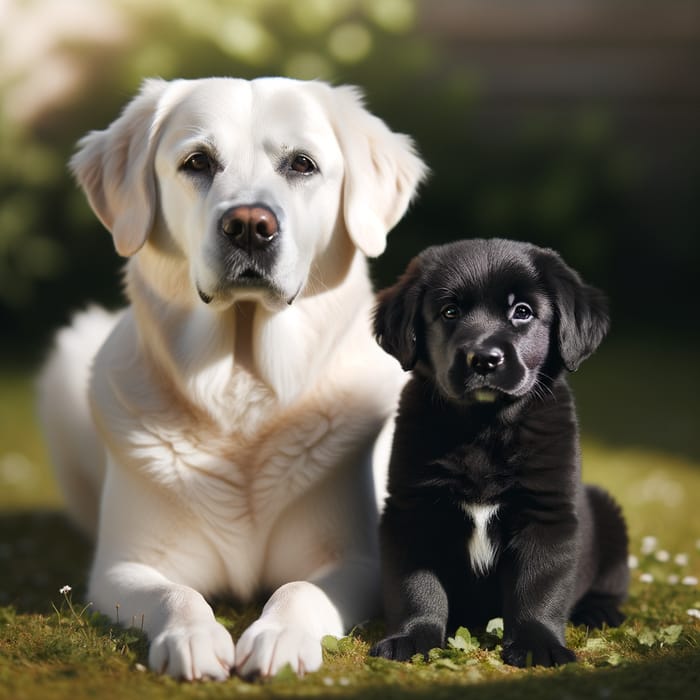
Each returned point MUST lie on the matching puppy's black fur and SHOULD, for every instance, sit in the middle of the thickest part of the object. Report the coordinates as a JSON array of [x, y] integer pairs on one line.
[[486, 514]]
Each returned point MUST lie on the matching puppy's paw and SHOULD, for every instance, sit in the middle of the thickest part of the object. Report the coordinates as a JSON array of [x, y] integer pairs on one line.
[[535, 645], [596, 618], [525, 655], [597, 610], [267, 646], [202, 651], [420, 639], [398, 647]]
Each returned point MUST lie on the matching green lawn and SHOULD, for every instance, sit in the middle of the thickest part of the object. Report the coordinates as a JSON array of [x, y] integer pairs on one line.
[[640, 441]]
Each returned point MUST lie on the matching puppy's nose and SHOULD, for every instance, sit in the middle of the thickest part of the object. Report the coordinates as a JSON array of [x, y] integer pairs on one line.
[[485, 360], [250, 228]]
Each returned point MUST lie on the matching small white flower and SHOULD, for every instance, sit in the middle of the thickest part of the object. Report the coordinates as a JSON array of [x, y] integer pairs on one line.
[[681, 559], [694, 612], [632, 561], [662, 555], [65, 590], [344, 681], [140, 667], [673, 579], [689, 580], [649, 544], [646, 578]]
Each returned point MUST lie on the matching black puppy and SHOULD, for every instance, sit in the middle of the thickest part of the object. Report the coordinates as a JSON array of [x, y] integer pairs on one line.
[[486, 514]]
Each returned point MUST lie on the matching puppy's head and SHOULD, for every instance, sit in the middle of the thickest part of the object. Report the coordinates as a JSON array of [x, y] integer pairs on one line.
[[490, 320], [242, 189]]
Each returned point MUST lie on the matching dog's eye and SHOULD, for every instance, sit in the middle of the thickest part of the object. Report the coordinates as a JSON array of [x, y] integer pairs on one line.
[[521, 313], [197, 163], [303, 165], [449, 312]]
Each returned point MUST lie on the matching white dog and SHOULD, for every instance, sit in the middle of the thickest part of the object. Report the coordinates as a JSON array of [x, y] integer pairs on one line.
[[228, 432]]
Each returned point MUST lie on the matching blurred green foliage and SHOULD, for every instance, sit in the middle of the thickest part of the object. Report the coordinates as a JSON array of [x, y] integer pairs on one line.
[[566, 179]]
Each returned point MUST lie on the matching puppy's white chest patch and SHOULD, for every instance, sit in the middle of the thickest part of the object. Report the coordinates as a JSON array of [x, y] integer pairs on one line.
[[482, 550]]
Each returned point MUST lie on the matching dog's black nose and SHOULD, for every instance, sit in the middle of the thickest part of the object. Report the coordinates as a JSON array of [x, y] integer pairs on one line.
[[250, 228], [485, 360]]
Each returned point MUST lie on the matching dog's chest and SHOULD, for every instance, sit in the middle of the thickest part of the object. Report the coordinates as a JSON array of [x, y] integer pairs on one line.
[[480, 471], [253, 472], [242, 474], [481, 479], [242, 483], [483, 542]]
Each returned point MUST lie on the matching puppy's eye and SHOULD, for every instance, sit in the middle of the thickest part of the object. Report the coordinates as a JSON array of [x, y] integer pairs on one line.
[[198, 162], [450, 312], [303, 165], [521, 313]]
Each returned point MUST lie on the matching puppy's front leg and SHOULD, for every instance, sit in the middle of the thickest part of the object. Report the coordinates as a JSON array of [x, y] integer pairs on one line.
[[415, 600], [537, 578], [424, 618]]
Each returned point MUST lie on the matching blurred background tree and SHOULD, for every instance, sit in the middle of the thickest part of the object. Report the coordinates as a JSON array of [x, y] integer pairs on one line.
[[569, 123]]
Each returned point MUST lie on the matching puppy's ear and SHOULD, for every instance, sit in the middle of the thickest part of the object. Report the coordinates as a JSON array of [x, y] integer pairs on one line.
[[382, 171], [396, 316], [115, 169], [581, 310]]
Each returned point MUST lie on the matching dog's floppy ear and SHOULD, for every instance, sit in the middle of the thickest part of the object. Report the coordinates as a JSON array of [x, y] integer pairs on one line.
[[382, 171], [115, 169], [396, 316], [581, 310]]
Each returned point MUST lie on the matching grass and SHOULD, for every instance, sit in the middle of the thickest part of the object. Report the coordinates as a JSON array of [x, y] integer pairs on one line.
[[644, 450]]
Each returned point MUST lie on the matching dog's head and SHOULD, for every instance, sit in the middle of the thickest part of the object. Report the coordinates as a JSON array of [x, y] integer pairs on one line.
[[257, 190], [490, 319]]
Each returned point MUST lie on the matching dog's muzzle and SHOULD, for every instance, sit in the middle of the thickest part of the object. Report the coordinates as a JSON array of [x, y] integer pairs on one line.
[[250, 228], [485, 360], [249, 244]]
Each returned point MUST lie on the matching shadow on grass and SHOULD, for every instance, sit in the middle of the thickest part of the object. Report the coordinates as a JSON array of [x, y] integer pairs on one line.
[[673, 676], [40, 552]]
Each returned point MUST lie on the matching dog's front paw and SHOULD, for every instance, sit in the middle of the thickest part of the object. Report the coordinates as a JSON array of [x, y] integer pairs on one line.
[[202, 651], [535, 645], [267, 646]]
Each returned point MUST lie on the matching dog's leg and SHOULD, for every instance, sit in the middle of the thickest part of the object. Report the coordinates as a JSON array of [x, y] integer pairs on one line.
[[299, 614], [415, 601], [186, 640], [423, 620], [323, 566], [606, 559], [537, 577]]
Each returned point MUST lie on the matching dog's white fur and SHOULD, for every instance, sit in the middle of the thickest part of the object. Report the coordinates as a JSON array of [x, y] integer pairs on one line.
[[241, 445]]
